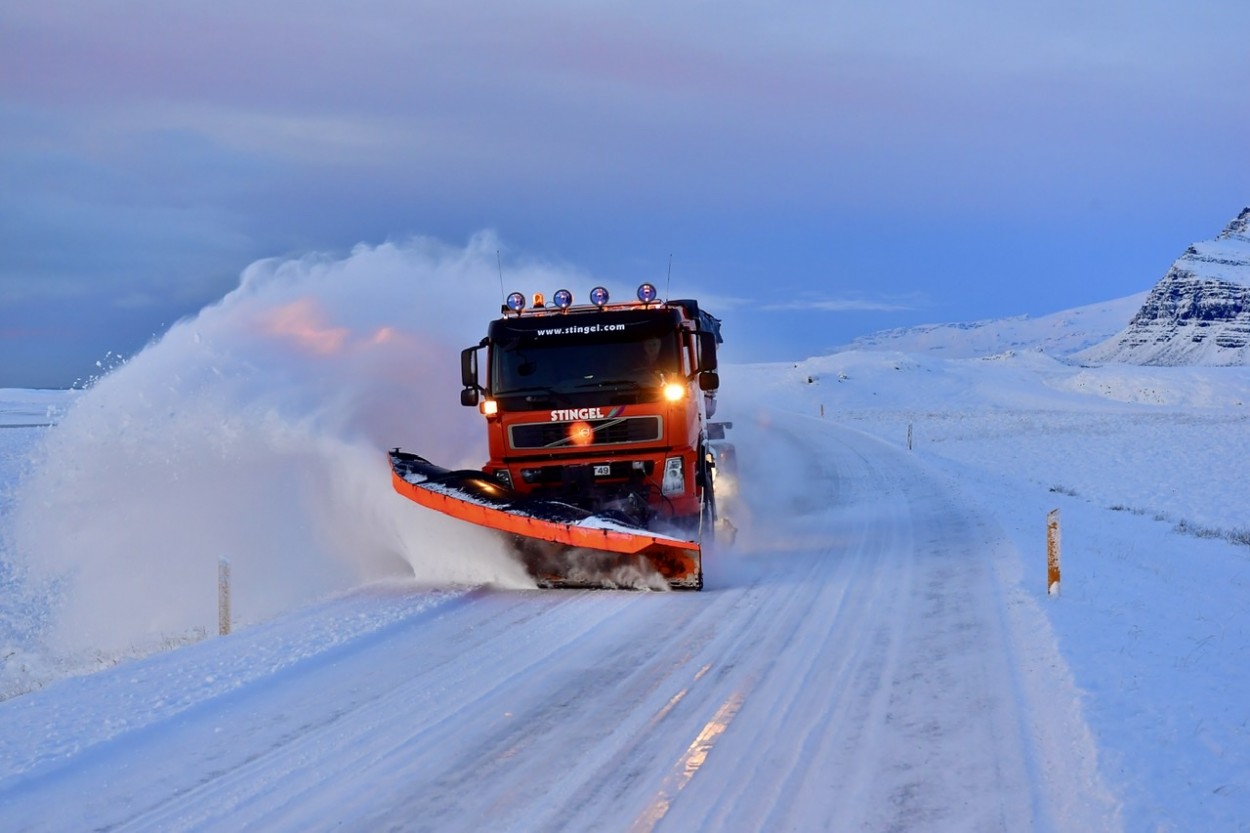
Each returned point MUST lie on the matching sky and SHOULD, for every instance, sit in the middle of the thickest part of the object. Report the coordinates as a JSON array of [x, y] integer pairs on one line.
[[812, 171]]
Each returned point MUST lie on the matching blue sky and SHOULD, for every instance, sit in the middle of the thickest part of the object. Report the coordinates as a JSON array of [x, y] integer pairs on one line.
[[822, 170]]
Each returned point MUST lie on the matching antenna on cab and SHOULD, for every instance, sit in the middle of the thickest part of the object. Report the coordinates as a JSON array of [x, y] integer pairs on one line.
[[668, 286], [499, 263]]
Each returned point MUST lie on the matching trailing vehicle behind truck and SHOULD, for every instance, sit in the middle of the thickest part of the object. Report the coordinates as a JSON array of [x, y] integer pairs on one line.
[[598, 426]]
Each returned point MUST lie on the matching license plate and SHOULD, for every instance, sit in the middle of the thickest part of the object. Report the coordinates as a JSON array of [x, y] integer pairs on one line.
[[602, 471]]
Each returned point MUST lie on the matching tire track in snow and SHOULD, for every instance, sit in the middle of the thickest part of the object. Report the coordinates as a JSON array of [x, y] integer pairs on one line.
[[362, 731], [871, 717]]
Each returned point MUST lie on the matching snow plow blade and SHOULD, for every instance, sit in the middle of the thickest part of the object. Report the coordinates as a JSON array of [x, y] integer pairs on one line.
[[562, 545]]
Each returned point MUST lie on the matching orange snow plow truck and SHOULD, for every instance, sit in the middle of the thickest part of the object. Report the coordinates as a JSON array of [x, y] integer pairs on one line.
[[597, 419]]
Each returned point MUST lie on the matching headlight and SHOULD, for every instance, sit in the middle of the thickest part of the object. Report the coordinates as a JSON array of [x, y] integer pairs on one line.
[[563, 298], [504, 477], [674, 392], [516, 302], [674, 478], [599, 296], [647, 293]]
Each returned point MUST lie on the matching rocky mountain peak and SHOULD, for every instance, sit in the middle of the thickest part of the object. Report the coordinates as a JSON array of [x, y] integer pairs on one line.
[[1239, 228], [1198, 313]]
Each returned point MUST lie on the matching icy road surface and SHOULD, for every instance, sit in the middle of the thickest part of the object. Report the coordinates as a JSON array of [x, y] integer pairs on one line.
[[858, 661]]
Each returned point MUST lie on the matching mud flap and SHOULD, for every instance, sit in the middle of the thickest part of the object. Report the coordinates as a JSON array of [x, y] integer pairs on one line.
[[562, 545]]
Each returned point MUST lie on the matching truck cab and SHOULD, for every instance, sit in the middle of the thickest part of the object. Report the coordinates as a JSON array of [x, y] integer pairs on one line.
[[604, 405]]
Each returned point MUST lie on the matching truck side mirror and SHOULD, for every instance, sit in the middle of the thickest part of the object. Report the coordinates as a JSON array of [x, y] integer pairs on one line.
[[468, 369], [468, 376], [709, 380], [707, 352]]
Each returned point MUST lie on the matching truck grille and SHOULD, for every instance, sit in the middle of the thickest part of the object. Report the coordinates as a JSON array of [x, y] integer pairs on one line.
[[606, 432]]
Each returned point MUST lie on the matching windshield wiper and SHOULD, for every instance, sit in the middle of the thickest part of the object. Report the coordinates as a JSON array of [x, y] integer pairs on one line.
[[633, 384], [539, 389]]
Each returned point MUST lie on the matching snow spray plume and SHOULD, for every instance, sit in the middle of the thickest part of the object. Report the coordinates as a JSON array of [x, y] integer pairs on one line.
[[256, 431]]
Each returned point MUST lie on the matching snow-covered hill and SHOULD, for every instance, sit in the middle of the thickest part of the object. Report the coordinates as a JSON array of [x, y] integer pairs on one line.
[[1059, 334], [1198, 314]]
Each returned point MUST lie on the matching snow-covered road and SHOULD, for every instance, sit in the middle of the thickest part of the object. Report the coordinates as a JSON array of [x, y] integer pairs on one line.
[[857, 662]]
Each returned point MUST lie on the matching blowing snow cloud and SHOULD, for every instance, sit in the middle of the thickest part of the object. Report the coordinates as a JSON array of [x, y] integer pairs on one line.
[[256, 431]]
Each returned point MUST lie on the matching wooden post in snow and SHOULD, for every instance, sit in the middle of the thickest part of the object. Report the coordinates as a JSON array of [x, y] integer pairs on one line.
[[1052, 553], [223, 597]]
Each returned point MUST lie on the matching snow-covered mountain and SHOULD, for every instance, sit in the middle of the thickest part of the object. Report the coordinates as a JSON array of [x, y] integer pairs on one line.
[[1059, 333], [1198, 314]]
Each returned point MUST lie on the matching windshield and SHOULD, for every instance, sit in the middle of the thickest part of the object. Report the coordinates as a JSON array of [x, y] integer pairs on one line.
[[537, 368]]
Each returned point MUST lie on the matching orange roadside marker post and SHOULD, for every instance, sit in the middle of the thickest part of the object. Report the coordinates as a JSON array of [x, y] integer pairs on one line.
[[1052, 553]]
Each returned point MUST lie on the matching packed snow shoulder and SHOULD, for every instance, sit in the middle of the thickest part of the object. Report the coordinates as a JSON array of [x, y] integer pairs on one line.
[[1198, 314]]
